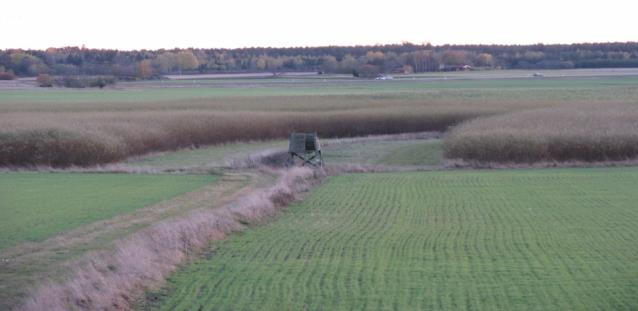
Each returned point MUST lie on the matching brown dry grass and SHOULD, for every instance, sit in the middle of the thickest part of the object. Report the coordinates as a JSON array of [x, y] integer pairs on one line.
[[111, 280], [71, 129], [576, 133], [83, 139], [26, 264]]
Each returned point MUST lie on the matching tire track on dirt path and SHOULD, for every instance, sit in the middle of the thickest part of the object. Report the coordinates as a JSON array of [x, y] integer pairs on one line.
[[115, 278], [30, 263]]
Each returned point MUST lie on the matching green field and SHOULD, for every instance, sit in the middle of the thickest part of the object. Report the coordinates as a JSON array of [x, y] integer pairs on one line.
[[35, 206], [184, 94], [217, 156], [563, 239], [416, 153], [390, 152], [410, 152]]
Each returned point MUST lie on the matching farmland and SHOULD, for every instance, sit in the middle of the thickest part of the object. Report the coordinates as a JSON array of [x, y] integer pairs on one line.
[[37, 206], [191, 156], [585, 132], [51, 220], [528, 239], [88, 127], [209, 157], [392, 150], [289, 155]]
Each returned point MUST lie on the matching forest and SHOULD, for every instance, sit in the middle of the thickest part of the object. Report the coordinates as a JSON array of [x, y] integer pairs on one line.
[[364, 61]]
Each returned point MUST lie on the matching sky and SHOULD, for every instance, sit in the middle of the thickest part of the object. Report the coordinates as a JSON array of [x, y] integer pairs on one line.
[[142, 24]]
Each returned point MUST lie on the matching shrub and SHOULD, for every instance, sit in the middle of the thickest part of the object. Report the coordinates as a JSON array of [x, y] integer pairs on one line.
[[7, 75], [101, 82], [71, 82], [84, 81], [44, 80], [369, 71]]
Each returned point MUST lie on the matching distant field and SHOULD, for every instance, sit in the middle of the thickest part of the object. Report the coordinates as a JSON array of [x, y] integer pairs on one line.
[[423, 153], [218, 156], [169, 91], [499, 240], [35, 206], [390, 152], [62, 127]]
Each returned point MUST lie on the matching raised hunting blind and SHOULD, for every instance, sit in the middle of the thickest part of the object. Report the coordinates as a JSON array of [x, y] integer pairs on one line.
[[305, 147]]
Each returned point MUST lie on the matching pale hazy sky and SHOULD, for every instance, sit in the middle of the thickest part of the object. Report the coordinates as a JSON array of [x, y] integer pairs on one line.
[[137, 24]]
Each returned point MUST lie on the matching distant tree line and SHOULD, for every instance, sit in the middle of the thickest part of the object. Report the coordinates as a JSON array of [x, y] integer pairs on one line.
[[364, 60]]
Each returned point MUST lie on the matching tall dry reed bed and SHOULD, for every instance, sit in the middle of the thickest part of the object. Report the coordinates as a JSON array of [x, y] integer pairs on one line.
[[576, 133], [110, 280], [72, 129], [84, 139]]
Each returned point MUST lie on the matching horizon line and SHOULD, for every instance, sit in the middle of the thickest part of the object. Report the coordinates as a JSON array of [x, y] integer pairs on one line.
[[320, 46]]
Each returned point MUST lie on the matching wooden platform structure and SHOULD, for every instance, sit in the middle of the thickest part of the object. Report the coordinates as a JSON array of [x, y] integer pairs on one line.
[[305, 147]]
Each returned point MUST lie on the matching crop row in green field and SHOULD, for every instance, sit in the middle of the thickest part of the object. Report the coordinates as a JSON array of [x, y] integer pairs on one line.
[[35, 206], [500, 240]]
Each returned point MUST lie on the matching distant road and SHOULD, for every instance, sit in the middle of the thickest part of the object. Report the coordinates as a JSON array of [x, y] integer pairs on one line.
[[478, 74], [518, 73], [239, 75], [199, 80]]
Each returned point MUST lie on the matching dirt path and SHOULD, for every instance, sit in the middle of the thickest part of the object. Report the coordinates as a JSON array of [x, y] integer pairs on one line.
[[24, 265], [114, 278], [233, 196]]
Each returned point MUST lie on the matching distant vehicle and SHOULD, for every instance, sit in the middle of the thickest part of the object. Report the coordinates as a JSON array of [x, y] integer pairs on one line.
[[538, 75], [384, 77]]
